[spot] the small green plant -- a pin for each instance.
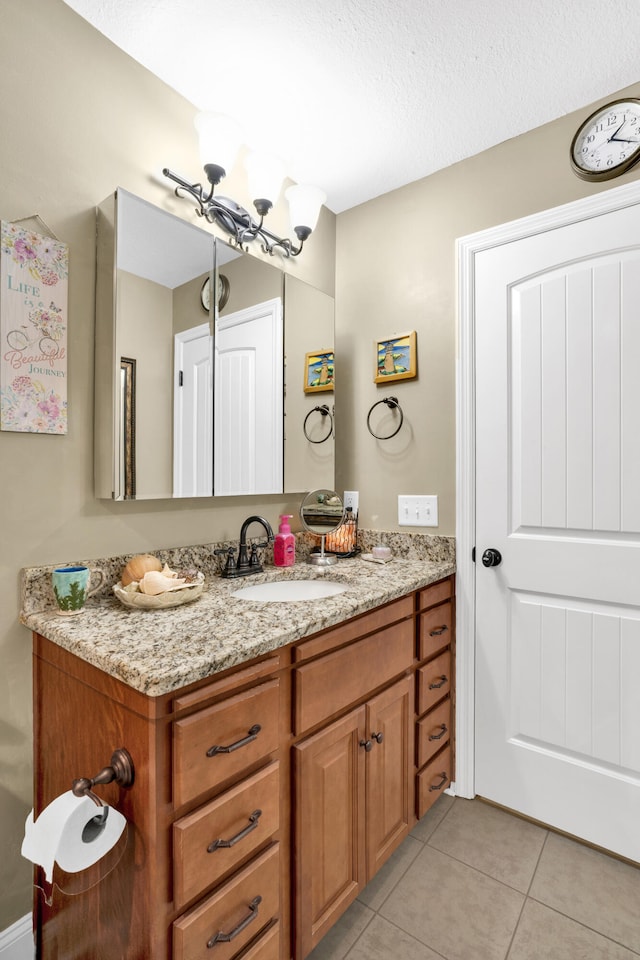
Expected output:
(74, 600)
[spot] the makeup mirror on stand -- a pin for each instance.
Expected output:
(322, 512)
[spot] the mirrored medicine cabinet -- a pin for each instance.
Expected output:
(202, 364)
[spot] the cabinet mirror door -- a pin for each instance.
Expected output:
(191, 336)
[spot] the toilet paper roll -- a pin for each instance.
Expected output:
(59, 834)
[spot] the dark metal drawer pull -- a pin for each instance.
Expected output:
(439, 736)
(253, 823)
(367, 744)
(439, 631)
(252, 734)
(378, 737)
(439, 786)
(221, 937)
(436, 686)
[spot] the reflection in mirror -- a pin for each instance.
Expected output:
(152, 441)
(309, 435)
(183, 409)
(248, 376)
(322, 512)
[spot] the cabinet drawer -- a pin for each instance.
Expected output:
(434, 681)
(243, 818)
(435, 593)
(434, 630)
(266, 947)
(338, 636)
(431, 781)
(333, 682)
(434, 731)
(239, 910)
(222, 741)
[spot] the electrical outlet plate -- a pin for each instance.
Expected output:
(417, 511)
(351, 500)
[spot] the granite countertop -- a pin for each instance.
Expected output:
(159, 651)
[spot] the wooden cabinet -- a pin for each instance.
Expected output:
(204, 847)
(265, 797)
(353, 806)
(353, 778)
(434, 701)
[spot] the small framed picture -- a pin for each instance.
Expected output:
(396, 357)
(319, 371)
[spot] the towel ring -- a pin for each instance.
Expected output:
(324, 412)
(392, 403)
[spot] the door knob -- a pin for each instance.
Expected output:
(492, 557)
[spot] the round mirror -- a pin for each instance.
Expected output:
(322, 512)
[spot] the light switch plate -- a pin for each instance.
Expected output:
(417, 511)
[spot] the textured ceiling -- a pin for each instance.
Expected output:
(363, 96)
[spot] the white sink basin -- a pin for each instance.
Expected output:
(284, 591)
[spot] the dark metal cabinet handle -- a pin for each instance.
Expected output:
(253, 823)
(439, 736)
(439, 786)
(438, 631)
(441, 682)
(367, 744)
(221, 937)
(492, 557)
(378, 737)
(251, 735)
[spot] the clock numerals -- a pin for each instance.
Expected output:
(608, 142)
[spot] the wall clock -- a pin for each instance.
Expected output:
(607, 143)
(223, 292)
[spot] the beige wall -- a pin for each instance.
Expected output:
(395, 271)
(146, 336)
(79, 119)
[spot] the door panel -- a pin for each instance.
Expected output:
(558, 493)
(330, 822)
(389, 772)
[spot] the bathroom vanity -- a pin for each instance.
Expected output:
(282, 752)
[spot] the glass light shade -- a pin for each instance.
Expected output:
(265, 174)
(304, 205)
(220, 138)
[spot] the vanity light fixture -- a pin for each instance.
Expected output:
(220, 137)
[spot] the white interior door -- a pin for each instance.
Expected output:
(249, 401)
(557, 318)
(193, 413)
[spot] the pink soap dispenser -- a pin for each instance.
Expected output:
(284, 547)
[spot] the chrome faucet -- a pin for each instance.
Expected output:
(246, 565)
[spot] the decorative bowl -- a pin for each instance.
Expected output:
(135, 600)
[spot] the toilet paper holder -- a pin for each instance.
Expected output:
(120, 769)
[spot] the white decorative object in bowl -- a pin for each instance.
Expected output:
(131, 597)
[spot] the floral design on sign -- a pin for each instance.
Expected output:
(33, 331)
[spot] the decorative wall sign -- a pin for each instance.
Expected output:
(396, 358)
(319, 371)
(34, 273)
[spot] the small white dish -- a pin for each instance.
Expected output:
(370, 557)
(183, 593)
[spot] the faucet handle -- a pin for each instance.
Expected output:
(230, 565)
(254, 560)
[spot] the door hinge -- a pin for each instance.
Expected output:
(473, 555)
(180, 379)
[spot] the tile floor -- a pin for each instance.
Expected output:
(473, 882)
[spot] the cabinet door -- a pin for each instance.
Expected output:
(330, 806)
(389, 771)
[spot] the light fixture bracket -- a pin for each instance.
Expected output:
(234, 219)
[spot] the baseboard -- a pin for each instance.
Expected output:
(16, 942)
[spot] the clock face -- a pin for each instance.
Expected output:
(608, 142)
(223, 292)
